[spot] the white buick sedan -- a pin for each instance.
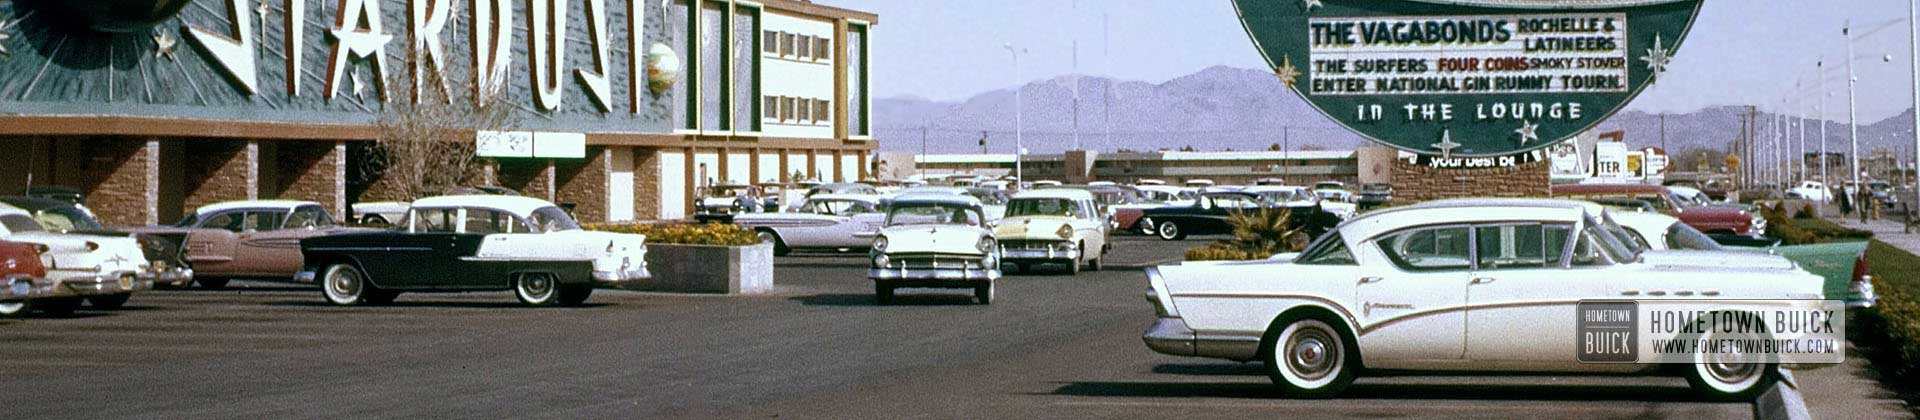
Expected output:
(1484, 285)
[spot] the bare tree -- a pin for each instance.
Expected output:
(426, 146)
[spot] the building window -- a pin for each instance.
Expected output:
(714, 66)
(805, 47)
(823, 48)
(681, 106)
(858, 117)
(823, 112)
(770, 42)
(806, 111)
(772, 108)
(786, 44)
(746, 70)
(793, 109)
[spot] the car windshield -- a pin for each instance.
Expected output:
(920, 213)
(727, 191)
(1282, 196)
(552, 219)
(62, 219)
(838, 207)
(1158, 196)
(1041, 207)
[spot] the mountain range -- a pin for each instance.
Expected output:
(1228, 108)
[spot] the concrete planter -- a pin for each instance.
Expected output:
(709, 268)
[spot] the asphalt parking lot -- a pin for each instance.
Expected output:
(1051, 346)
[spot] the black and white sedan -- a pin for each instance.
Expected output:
(474, 243)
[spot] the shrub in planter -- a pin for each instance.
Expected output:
(1257, 234)
(685, 233)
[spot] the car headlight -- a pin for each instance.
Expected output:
(880, 261)
(986, 245)
(880, 244)
(1065, 232)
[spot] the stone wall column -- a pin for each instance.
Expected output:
(121, 179)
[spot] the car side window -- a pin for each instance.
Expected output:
(262, 220)
(435, 220)
(1586, 251)
(1430, 248)
(1521, 246)
(309, 217)
(1330, 251)
(229, 221)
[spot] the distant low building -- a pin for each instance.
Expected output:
(1226, 168)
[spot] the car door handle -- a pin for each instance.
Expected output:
(1630, 293)
(1366, 280)
(1710, 293)
(1482, 280)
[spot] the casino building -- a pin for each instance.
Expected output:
(621, 108)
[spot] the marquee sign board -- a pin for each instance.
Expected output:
(1468, 78)
(566, 65)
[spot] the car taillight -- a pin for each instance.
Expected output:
(93, 246)
(1860, 269)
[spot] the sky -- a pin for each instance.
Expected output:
(1740, 52)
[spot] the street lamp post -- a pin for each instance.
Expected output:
(1853, 117)
(1019, 144)
(1913, 38)
(1823, 122)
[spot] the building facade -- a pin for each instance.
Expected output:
(621, 109)
(1226, 168)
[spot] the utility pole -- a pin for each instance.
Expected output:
(1663, 132)
(1019, 143)
(1823, 120)
(923, 152)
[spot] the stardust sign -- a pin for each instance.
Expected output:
(1470, 78)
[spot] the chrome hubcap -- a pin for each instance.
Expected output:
(537, 287)
(1309, 354)
(345, 284)
(1725, 368)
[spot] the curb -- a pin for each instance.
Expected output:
(1782, 402)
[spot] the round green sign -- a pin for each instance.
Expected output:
(1468, 78)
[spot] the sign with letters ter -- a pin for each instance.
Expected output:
(1468, 78)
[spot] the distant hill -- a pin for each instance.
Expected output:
(1222, 107)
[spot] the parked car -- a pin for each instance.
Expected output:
(68, 194)
(99, 270)
(825, 221)
(255, 239)
(474, 243)
(1373, 195)
(1209, 215)
(1329, 185)
(1843, 265)
(23, 275)
(1706, 219)
(993, 201)
(842, 188)
(1458, 285)
(719, 203)
(165, 252)
(1692, 197)
(1812, 191)
(1054, 226)
(934, 241)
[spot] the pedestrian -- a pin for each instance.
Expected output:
(1846, 202)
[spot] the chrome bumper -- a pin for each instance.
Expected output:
(306, 277)
(23, 288)
(102, 284)
(618, 277)
(178, 276)
(956, 274)
(1172, 336)
(1038, 254)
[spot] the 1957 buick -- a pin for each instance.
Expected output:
(474, 243)
(1486, 285)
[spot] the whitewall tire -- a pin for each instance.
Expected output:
(537, 289)
(344, 285)
(1309, 358)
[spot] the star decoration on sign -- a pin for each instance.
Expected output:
(1446, 144)
(1287, 72)
(3, 39)
(262, 11)
(1310, 4)
(1657, 58)
(1528, 132)
(163, 43)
